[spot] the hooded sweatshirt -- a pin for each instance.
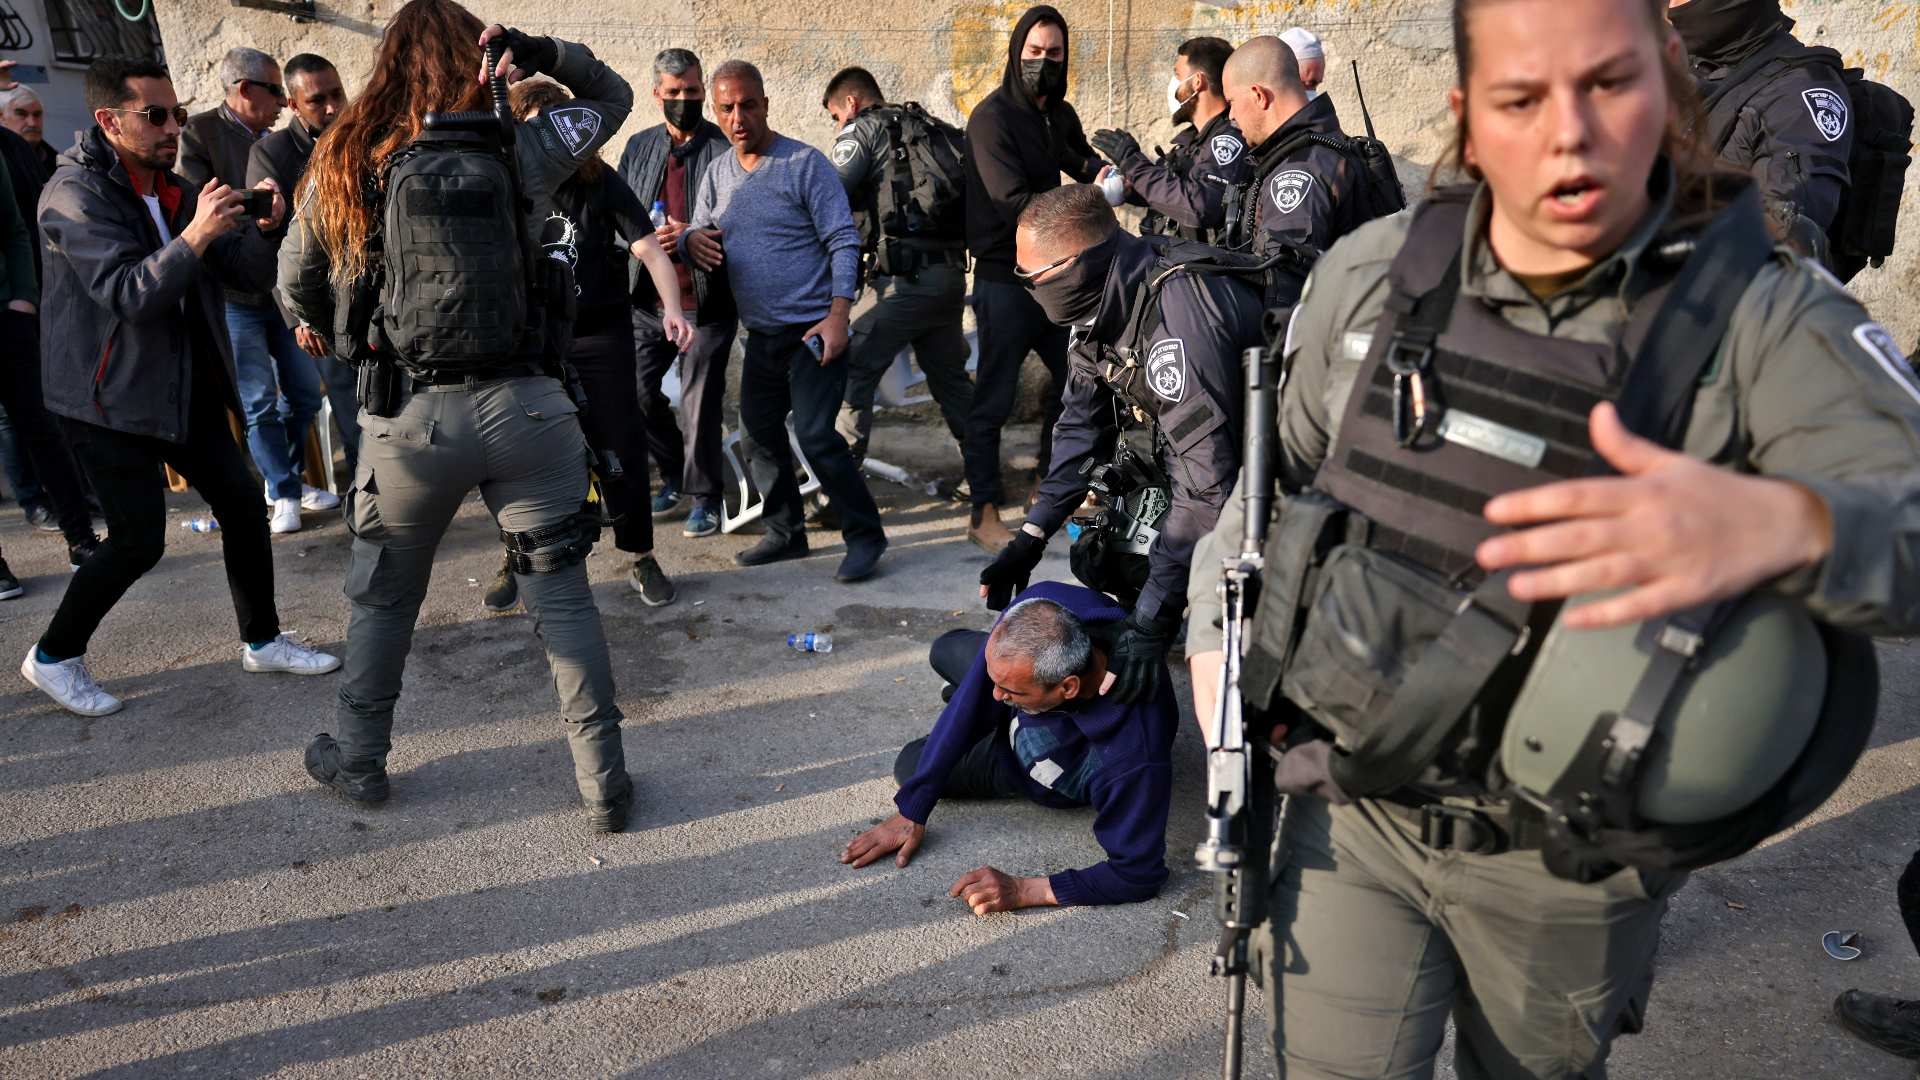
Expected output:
(1015, 150)
(1115, 758)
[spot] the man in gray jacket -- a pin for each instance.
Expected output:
(138, 368)
(664, 166)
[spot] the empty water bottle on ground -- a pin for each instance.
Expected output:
(201, 524)
(810, 642)
(659, 214)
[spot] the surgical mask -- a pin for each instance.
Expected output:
(1313, 93)
(1071, 297)
(1044, 78)
(1180, 111)
(682, 113)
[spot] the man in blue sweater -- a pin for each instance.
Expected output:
(774, 215)
(1027, 719)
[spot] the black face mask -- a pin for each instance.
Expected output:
(1044, 78)
(1721, 31)
(1071, 297)
(682, 113)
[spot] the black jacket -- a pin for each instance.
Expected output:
(213, 150)
(643, 165)
(282, 157)
(1016, 150)
(123, 316)
(17, 156)
(1187, 379)
(1782, 113)
(1186, 190)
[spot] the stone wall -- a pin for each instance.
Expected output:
(948, 56)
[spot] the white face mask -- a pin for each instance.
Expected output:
(1313, 93)
(1175, 106)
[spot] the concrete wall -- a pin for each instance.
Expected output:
(949, 55)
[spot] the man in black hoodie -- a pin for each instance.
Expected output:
(1775, 108)
(1019, 141)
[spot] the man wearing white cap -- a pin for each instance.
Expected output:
(1312, 56)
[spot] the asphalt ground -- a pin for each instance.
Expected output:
(176, 896)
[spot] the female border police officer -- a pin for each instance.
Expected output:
(1797, 474)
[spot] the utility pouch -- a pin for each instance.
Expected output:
(1306, 528)
(1394, 659)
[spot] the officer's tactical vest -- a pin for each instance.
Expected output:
(1377, 186)
(1374, 618)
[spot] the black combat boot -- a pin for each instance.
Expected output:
(1888, 1023)
(610, 815)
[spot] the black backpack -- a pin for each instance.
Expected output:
(924, 192)
(1863, 231)
(1379, 191)
(456, 275)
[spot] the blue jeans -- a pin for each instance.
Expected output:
(279, 393)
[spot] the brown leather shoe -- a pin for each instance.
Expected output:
(986, 531)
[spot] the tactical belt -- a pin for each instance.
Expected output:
(439, 381)
(1492, 829)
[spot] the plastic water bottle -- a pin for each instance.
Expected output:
(659, 215)
(810, 642)
(204, 524)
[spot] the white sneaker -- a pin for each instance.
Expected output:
(313, 498)
(285, 654)
(69, 683)
(285, 517)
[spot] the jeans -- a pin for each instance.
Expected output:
(125, 471)
(604, 360)
(781, 374)
(691, 460)
(33, 428)
(893, 314)
(279, 393)
(518, 441)
(1010, 324)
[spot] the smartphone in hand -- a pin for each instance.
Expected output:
(256, 203)
(815, 346)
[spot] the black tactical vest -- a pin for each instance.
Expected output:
(1374, 618)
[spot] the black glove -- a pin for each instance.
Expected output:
(1139, 658)
(1113, 145)
(1010, 570)
(532, 55)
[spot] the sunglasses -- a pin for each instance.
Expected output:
(157, 114)
(279, 92)
(1027, 276)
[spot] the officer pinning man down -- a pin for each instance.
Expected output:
(905, 174)
(1308, 184)
(1151, 414)
(1185, 189)
(1568, 440)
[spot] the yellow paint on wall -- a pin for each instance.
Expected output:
(979, 49)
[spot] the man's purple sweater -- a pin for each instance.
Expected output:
(1115, 758)
(789, 236)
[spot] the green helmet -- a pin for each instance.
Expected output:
(1678, 721)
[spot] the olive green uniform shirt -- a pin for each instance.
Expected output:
(1806, 387)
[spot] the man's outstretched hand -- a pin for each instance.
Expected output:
(987, 890)
(894, 834)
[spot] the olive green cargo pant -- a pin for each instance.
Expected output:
(519, 441)
(1374, 940)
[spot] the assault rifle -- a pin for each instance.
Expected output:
(1240, 794)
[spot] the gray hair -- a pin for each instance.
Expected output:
(673, 62)
(19, 94)
(737, 70)
(1047, 634)
(244, 63)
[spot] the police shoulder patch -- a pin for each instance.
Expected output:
(1289, 189)
(1167, 369)
(1874, 340)
(1227, 149)
(843, 152)
(576, 125)
(1829, 112)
